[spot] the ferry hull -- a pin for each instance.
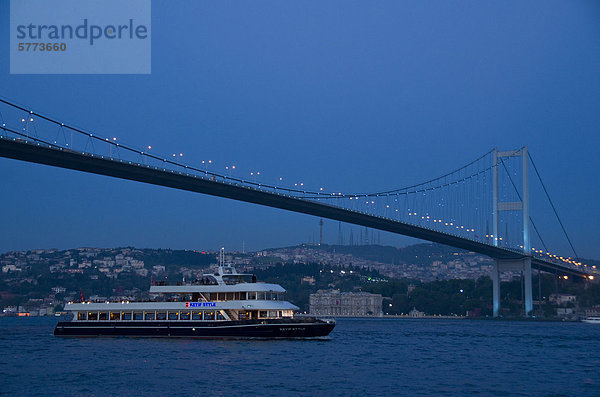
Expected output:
(267, 329)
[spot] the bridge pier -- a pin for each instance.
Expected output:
(512, 265)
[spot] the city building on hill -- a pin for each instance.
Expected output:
(336, 303)
(561, 299)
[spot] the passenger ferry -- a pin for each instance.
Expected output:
(592, 320)
(224, 304)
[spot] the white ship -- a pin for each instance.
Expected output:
(223, 304)
(592, 320)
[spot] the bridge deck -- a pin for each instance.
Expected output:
(20, 149)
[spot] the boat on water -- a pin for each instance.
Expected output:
(223, 304)
(591, 320)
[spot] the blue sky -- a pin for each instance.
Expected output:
(351, 95)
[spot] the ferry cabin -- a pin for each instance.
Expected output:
(222, 296)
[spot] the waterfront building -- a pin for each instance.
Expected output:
(336, 303)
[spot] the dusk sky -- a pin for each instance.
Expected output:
(350, 95)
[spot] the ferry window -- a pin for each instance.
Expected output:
(272, 314)
(196, 315)
(184, 315)
(93, 316)
(242, 296)
(173, 315)
(149, 316)
(243, 315)
(220, 296)
(268, 296)
(161, 315)
(229, 296)
(252, 295)
(260, 296)
(103, 316)
(125, 315)
(81, 316)
(138, 315)
(209, 315)
(220, 316)
(213, 296)
(115, 316)
(262, 314)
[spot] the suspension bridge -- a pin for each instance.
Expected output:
(482, 207)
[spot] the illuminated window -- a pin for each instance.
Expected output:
(173, 315)
(93, 316)
(103, 316)
(262, 314)
(125, 315)
(161, 315)
(209, 315)
(184, 316)
(81, 316)
(138, 316)
(196, 315)
(220, 316)
(149, 315)
(115, 316)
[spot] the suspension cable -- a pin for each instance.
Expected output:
(520, 199)
(553, 207)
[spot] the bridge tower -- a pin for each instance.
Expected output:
(501, 265)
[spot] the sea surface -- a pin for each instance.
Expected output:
(374, 357)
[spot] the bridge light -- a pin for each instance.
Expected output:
(566, 277)
(591, 277)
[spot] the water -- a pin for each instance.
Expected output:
(362, 357)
